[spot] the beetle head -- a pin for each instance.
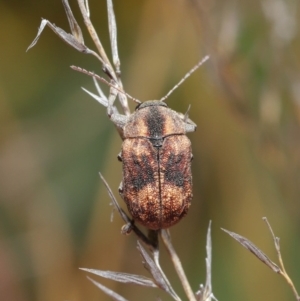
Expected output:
(150, 103)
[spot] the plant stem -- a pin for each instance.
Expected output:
(177, 265)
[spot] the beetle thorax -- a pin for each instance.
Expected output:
(155, 121)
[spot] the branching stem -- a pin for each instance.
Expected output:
(282, 268)
(177, 264)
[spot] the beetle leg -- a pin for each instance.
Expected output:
(190, 127)
(127, 228)
(120, 156)
(118, 119)
(121, 190)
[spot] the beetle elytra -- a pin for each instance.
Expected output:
(156, 157)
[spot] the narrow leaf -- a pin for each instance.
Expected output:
(156, 273)
(66, 37)
(115, 202)
(75, 28)
(246, 243)
(149, 263)
(115, 296)
(205, 293)
(41, 28)
(129, 224)
(99, 90)
(69, 39)
(123, 277)
(101, 100)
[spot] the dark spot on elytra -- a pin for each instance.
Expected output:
(173, 170)
(143, 172)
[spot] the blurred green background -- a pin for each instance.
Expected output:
(54, 210)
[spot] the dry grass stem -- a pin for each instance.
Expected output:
(115, 296)
(150, 260)
(129, 226)
(122, 277)
(205, 293)
(250, 246)
(177, 264)
(264, 258)
(159, 277)
(282, 268)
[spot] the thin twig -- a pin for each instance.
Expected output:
(177, 264)
(282, 268)
(74, 26)
(205, 293)
(156, 260)
(115, 296)
(112, 26)
(95, 38)
(96, 76)
(107, 66)
(129, 223)
(152, 265)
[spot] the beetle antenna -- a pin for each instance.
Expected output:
(101, 79)
(185, 77)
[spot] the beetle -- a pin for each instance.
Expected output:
(156, 153)
(156, 156)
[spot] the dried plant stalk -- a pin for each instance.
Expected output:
(150, 260)
(250, 246)
(177, 264)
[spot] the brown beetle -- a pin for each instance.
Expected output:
(156, 156)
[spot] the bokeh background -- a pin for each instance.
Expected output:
(54, 139)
